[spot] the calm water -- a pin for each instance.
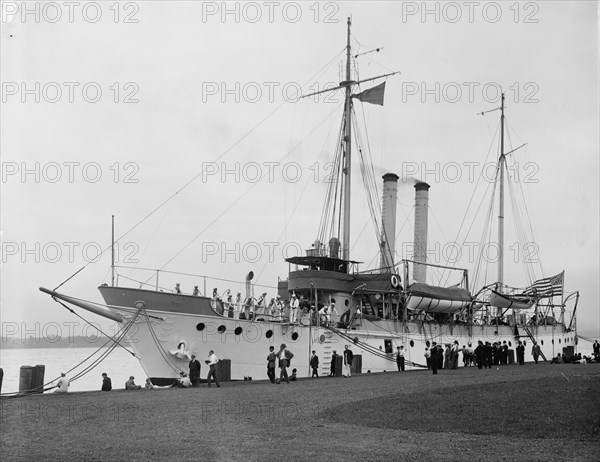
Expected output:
(119, 365)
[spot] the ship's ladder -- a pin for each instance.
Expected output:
(366, 347)
(530, 335)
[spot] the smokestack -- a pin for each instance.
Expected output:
(421, 204)
(388, 220)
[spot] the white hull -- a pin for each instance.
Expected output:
(155, 341)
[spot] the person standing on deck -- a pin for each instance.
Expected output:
(400, 358)
(294, 305)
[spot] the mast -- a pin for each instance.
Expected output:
(112, 249)
(348, 151)
(501, 205)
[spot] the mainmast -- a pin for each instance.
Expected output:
(347, 169)
(501, 205)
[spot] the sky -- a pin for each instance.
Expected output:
(182, 120)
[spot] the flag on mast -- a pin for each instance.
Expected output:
(372, 95)
(547, 287)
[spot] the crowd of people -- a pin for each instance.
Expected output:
(485, 355)
(296, 310)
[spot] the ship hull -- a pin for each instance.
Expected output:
(163, 339)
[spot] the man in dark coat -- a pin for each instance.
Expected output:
(106, 382)
(479, 354)
(285, 356)
(195, 371)
(436, 354)
(536, 351)
(504, 355)
(271, 358)
(520, 353)
(332, 366)
(314, 364)
(487, 355)
(439, 351)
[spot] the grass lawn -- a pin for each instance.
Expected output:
(529, 413)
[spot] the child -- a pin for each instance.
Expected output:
(293, 376)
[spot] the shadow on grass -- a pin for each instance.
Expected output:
(563, 408)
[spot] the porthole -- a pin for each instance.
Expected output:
(269, 333)
(295, 336)
(427, 343)
(558, 340)
(322, 338)
(200, 326)
(221, 328)
(542, 342)
(412, 343)
(552, 342)
(509, 343)
(524, 342)
(238, 330)
(346, 302)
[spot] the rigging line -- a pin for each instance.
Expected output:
(329, 204)
(240, 197)
(486, 230)
(121, 334)
(370, 185)
(474, 192)
(293, 210)
(406, 220)
(95, 327)
(185, 274)
(195, 177)
(370, 172)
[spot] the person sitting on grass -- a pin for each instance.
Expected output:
(557, 360)
(150, 386)
(62, 386)
(183, 381)
(294, 376)
(130, 384)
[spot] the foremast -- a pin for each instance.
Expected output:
(346, 163)
(347, 170)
